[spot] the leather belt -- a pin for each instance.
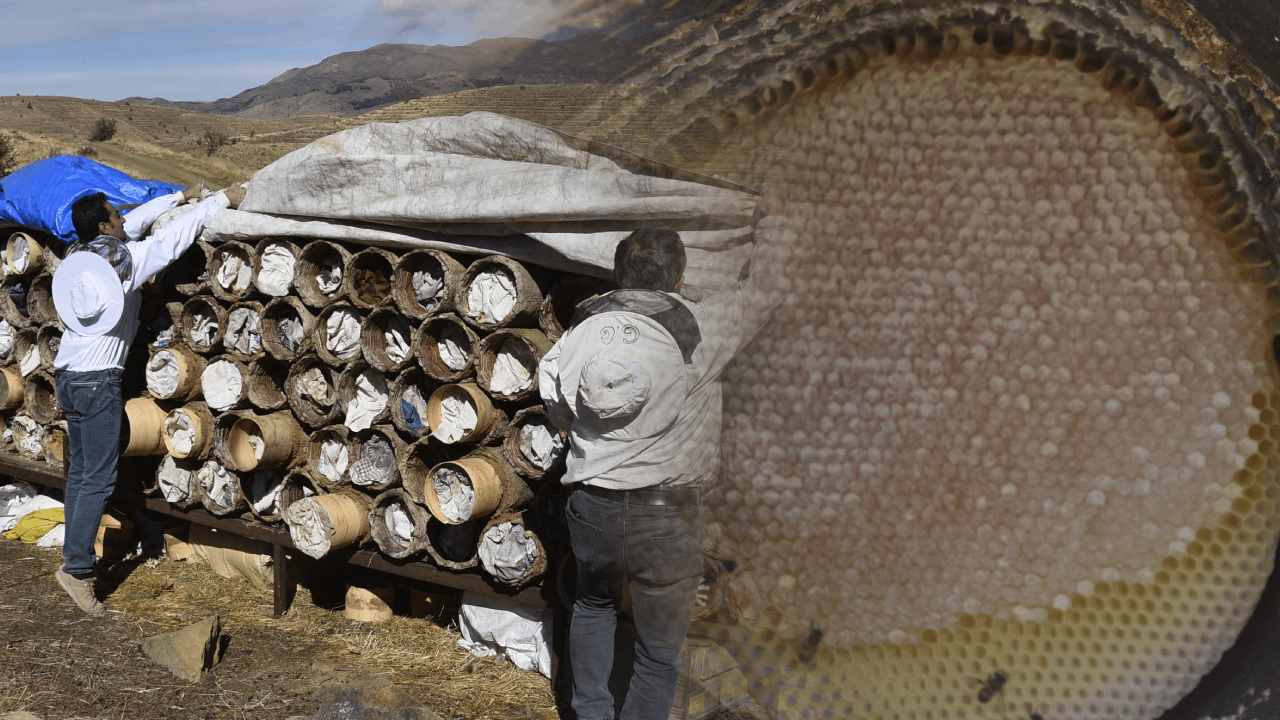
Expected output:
(645, 496)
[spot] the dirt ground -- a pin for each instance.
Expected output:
(59, 664)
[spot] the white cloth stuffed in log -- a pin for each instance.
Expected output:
(222, 384)
(491, 296)
(454, 347)
(21, 254)
(264, 492)
(455, 494)
(29, 434)
(174, 481)
(204, 329)
(234, 273)
(242, 331)
(277, 269)
(217, 484)
(290, 330)
(427, 288)
(181, 431)
(334, 458)
(6, 340)
(329, 274)
(510, 375)
(30, 361)
(312, 384)
(483, 183)
(163, 374)
(396, 337)
(342, 333)
(457, 416)
(370, 400)
(417, 399)
(377, 463)
(507, 552)
(541, 444)
(309, 527)
(399, 522)
(256, 443)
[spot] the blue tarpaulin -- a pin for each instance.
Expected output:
(40, 195)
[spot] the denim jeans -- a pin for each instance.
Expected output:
(654, 555)
(94, 409)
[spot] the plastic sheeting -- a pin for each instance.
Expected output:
(242, 331)
(454, 347)
(491, 296)
(507, 552)
(457, 416)
(342, 334)
(40, 195)
(397, 337)
(222, 385)
(234, 274)
(312, 384)
(514, 631)
(181, 431)
(428, 287)
(32, 504)
(541, 445)
(6, 340)
(510, 375)
(264, 491)
(309, 527)
(29, 362)
(29, 434)
(369, 401)
(277, 270)
(377, 463)
(399, 522)
(174, 481)
(334, 459)
(54, 538)
(13, 496)
(163, 374)
(455, 494)
(218, 484)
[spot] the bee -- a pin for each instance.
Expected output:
(809, 646)
(992, 686)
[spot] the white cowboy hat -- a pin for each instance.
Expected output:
(88, 294)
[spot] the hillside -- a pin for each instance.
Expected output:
(352, 83)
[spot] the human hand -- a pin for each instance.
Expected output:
(193, 192)
(235, 195)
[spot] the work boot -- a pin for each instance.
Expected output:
(81, 591)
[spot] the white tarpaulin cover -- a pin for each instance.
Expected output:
(485, 183)
(497, 626)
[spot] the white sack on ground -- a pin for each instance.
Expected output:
(174, 481)
(342, 334)
(491, 296)
(309, 527)
(6, 340)
(30, 361)
(181, 431)
(242, 331)
(234, 273)
(277, 270)
(457, 416)
(510, 376)
(455, 494)
(540, 445)
(222, 383)
(32, 504)
(399, 522)
(54, 538)
(458, 183)
(370, 399)
(14, 494)
(217, 483)
(334, 458)
(454, 347)
(163, 374)
(507, 552)
(515, 631)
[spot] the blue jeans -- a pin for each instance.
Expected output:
(654, 555)
(94, 409)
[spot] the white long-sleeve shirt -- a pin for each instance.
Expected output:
(688, 454)
(87, 353)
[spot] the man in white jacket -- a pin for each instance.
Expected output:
(100, 311)
(636, 383)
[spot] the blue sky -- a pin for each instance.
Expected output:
(110, 50)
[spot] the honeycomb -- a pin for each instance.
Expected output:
(1018, 414)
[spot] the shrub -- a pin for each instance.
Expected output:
(8, 155)
(212, 140)
(103, 130)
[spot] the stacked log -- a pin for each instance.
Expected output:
(354, 394)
